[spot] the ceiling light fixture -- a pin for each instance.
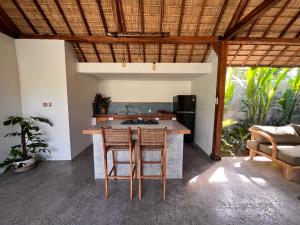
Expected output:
(154, 65)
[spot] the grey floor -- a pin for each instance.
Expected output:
(231, 191)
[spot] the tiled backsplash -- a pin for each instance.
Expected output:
(139, 107)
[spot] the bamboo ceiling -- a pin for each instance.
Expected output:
(178, 17)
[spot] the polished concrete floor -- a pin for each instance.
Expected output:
(231, 191)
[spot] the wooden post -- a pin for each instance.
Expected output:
(222, 49)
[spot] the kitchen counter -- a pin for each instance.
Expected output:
(173, 127)
(103, 117)
(174, 148)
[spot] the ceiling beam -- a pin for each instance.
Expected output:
(141, 9)
(128, 40)
(8, 24)
(283, 32)
(103, 20)
(120, 22)
(238, 13)
(266, 32)
(162, 5)
(166, 40)
(240, 47)
(61, 12)
(249, 18)
(24, 16)
(264, 41)
(282, 52)
(179, 28)
(197, 30)
(87, 27)
(37, 5)
(225, 3)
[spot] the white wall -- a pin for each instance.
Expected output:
(205, 89)
(42, 73)
(143, 91)
(81, 91)
(10, 100)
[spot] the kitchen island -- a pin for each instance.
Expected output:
(174, 148)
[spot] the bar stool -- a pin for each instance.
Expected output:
(152, 140)
(118, 140)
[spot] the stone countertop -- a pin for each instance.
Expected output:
(173, 127)
(134, 115)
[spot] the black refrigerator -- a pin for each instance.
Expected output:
(184, 106)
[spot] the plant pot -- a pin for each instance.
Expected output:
(103, 110)
(96, 110)
(25, 165)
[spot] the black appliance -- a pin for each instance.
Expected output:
(184, 106)
(134, 122)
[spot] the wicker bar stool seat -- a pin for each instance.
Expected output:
(118, 140)
(152, 140)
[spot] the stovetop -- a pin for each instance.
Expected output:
(139, 122)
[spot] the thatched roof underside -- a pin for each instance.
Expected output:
(179, 18)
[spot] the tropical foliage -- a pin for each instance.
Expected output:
(261, 87)
(31, 139)
(290, 98)
(262, 84)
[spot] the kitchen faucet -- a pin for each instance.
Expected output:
(126, 109)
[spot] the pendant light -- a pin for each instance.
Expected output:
(154, 61)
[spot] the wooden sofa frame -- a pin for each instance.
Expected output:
(287, 168)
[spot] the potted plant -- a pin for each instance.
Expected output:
(101, 103)
(23, 155)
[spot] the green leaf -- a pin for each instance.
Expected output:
(42, 120)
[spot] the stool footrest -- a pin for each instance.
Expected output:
(119, 177)
(151, 162)
(122, 162)
(152, 177)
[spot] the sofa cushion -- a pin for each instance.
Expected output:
(283, 135)
(296, 127)
(289, 154)
(260, 147)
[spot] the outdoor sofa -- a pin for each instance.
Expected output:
(280, 144)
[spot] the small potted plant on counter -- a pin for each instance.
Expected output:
(101, 102)
(24, 155)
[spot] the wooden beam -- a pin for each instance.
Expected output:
(179, 28)
(162, 5)
(250, 18)
(87, 27)
(134, 40)
(237, 14)
(120, 21)
(283, 32)
(24, 16)
(141, 9)
(44, 16)
(267, 30)
(264, 41)
(8, 25)
(103, 20)
(197, 30)
(248, 33)
(225, 3)
(220, 94)
(61, 12)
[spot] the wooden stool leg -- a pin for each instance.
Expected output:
(130, 163)
(140, 166)
(162, 165)
(114, 163)
(164, 172)
(105, 174)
